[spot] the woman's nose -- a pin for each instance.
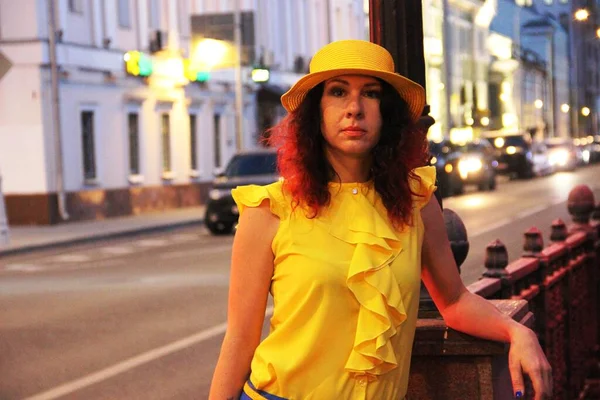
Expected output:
(354, 107)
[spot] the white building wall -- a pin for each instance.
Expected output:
(90, 52)
(23, 161)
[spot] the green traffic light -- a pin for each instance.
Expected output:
(145, 65)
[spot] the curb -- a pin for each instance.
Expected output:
(102, 236)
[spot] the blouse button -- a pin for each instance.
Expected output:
(355, 191)
(362, 382)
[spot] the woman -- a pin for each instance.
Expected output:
(342, 243)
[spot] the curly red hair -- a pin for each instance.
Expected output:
(302, 163)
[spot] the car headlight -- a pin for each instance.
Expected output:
(217, 194)
(586, 156)
(468, 166)
(559, 157)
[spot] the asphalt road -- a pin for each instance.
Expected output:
(143, 317)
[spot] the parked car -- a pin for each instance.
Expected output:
(542, 164)
(477, 164)
(564, 156)
(513, 152)
(593, 146)
(258, 167)
(583, 151)
(444, 157)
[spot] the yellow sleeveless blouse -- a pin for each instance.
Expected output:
(345, 288)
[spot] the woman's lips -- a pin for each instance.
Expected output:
(353, 131)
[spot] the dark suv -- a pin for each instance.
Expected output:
(513, 152)
(445, 157)
(257, 167)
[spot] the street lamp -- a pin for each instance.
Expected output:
(582, 14)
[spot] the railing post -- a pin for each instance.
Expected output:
(583, 285)
(559, 231)
(496, 260)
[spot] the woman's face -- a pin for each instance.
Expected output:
(351, 120)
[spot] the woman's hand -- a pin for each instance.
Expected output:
(527, 356)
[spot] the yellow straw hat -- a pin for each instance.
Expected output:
(355, 57)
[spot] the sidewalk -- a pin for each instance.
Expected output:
(28, 238)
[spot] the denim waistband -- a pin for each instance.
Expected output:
(250, 390)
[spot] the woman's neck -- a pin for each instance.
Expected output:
(349, 169)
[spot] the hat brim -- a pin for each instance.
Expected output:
(411, 92)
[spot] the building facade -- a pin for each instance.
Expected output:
(121, 107)
(580, 19)
(529, 80)
(457, 62)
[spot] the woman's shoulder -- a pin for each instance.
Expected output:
(422, 185)
(254, 195)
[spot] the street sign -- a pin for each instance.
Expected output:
(5, 64)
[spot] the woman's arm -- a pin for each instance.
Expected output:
(472, 314)
(251, 272)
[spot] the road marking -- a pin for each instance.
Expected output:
(23, 267)
(71, 258)
(134, 362)
(531, 211)
(152, 242)
(521, 215)
(186, 237)
(491, 227)
(181, 254)
(116, 250)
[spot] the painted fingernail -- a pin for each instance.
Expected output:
(518, 394)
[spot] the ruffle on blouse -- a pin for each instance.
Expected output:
(254, 195)
(359, 222)
(425, 188)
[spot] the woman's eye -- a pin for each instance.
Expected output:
(373, 94)
(336, 91)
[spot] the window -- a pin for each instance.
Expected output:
(89, 150)
(193, 143)
(124, 16)
(134, 143)
(166, 142)
(76, 6)
(153, 7)
(217, 139)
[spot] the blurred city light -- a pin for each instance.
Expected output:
(538, 103)
(211, 53)
(585, 111)
(565, 108)
(260, 75)
(485, 121)
(582, 14)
